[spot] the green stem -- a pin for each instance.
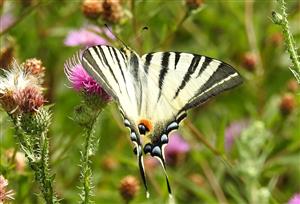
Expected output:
(38, 162)
(289, 41)
(86, 171)
(46, 181)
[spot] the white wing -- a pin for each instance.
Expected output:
(111, 68)
(176, 82)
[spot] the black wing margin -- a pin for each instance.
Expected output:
(224, 78)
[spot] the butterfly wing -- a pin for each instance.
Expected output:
(184, 80)
(110, 68)
(119, 76)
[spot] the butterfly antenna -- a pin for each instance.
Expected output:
(115, 36)
(142, 170)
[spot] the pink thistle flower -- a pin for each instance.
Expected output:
(233, 131)
(4, 193)
(87, 37)
(295, 199)
(5, 21)
(81, 80)
(176, 149)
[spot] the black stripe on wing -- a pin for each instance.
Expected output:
(148, 59)
(177, 57)
(90, 65)
(206, 62)
(104, 59)
(224, 78)
(107, 60)
(192, 68)
(163, 71)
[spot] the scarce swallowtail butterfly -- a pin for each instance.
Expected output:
(155, 91)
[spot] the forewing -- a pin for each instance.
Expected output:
(185, 80)
(110, 68)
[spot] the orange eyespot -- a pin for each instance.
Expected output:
(146, 123)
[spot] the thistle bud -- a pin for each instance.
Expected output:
(249, 61)
(83, 115)
(287, 104)
(34, 67)
(276, 39)
(193, 4)
(293, 86)
(29, 99)
(35, 124)
(110, 163)
(277, 18)
(129, 186)
(92, 8)
(112, 11)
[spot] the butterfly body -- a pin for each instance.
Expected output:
(155, 91)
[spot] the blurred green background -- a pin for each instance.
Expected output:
(265, 158)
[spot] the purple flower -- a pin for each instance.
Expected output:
(82, 81)
(176, 149)
(5, 21)
(87, 37)
(232, 131)
(295, 199)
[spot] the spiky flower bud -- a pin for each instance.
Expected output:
(29, 99)
(35, 124)
(129, 186)
(287, 104)
(34, 67)
(92, 8)
(112, 11)
(83, 115)
(193, 4)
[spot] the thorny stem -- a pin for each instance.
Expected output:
(46, 178)
(288, 38)
(86, 172)
(38, 163)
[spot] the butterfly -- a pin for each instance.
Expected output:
(155, 91)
